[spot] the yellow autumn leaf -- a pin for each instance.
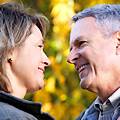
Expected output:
(50, 85)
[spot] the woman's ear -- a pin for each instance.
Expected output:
(118, 43)
(5, 83)
(11, 55)
(9, 60)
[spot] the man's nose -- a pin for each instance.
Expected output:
(72, 57)
(69, 59)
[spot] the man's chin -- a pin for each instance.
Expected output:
(85, 83)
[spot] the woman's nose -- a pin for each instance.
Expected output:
(46, 60)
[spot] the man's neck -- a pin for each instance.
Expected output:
(104, 95)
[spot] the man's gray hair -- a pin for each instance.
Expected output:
(107, 15)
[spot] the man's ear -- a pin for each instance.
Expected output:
(118, 43)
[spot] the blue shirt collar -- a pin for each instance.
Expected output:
(112, 101)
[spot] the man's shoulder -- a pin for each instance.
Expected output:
(10, 112)
(81, 115)
(88, 111)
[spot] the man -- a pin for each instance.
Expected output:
(95, 52)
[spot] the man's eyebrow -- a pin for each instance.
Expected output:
(79, 39)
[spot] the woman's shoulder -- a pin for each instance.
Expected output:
(10, 112)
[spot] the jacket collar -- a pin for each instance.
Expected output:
(25, 105)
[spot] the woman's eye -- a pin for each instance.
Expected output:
(40, 46)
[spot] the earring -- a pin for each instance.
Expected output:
(9, 60)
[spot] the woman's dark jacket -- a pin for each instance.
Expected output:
(12, 108)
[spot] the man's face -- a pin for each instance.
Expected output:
(93, 55)
(30, 61)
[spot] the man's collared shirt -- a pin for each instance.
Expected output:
(109, 110)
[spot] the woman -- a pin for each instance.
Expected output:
(22, 62)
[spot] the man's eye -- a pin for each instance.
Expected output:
(82, 43)
(71, 49)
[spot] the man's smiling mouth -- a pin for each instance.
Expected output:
(83, 70)
(82, 67)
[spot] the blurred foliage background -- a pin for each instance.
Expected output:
(62, 96)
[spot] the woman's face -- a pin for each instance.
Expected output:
(30, 61)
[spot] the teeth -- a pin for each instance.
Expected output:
(82, 67)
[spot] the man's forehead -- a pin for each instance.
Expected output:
(83, 28)
(75, 32)
(73, 36)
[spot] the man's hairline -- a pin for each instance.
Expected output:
(101, 28)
